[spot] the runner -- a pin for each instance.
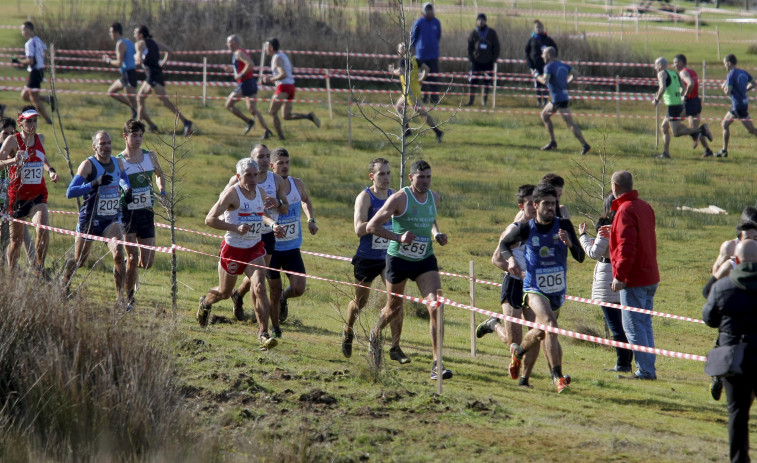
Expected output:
(281, 70)
(8, 128)
(34, 59)
(128, 70)
(547, 239)
(286, 254)
(557, 75)
(410, 255)
(669, 89)
(370, 259)
(247, 87)
(137, 216)
(276, 203)
(692, 104)
(737, 83)
(414, 92)
(511, 296)
(148, 56)
(240, 211)
(99, 180)
(24, 155)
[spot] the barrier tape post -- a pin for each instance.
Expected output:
(702, 85)
(575, 19)
(563, 11)
(697, 21)
(328, 95)
(439, 337)
(646, 37)
(204, 80)
(349, 122)
(622, 23)
(717, 34)
(472, 279)
(617, 102)
(636, 8)
(494, 87)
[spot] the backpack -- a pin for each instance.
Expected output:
(482, 49)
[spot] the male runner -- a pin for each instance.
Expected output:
(737, 83)
(8, 128)
(410, 254)
(148, 56)
(240, 211)
(547, 239)
(692, 104)
(99, 180)
(124, 61)
(669, 89)
(286, 254)
(24, 155)
(137, 216)
(414, 91)
(511, 296)
(276, 202)
(370, 259)
(281, 70)
(34, 59)
(247, 86)
(557, 75)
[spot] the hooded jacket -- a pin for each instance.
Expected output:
(732, 304)
(633, 243)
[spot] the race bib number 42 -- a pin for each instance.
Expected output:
(550, 280)
(415, 250)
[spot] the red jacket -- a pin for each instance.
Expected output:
(633, 244)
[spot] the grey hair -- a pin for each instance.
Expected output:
(94, 137)
(245, 164)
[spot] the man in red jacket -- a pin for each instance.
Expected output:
(633, 253)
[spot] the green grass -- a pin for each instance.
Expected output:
(253, 400)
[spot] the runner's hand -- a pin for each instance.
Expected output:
(243, 229)
(582, 228)
(535, 73)
(128, 196)
(104, 179)
(565, 238)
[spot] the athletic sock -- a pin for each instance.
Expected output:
(557, 372)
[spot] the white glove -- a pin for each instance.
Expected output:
(535, 73)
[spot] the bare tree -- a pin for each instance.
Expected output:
(591, 183)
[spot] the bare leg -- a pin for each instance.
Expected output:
(546, 118)
(726, 124)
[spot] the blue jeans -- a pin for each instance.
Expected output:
(638, 326)
(614, 319)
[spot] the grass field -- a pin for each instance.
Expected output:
(304, 401)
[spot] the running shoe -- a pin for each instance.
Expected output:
(486, 327)
(277, 332)
(283, 309)
(549, 146)
(266, 341)
(663, 156)
(249, 126)
(523, 382)
(515, 361)
(696, 137)
(446, 374)
(238, 302)
(188, 128)
(439, 135)
(722, 154)
(562, 384)
(268, 134)
(705, 130)
(708, 154)
(716, 388)
(203, 313)
(395, 353)
(347, 339)
(315, 120)
(585, 149)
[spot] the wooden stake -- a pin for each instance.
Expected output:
(717, 32)
(204, 80)
(617, 99)
(472, 279)
(702, 85)
(328, 93)
(349, 122)
(494, 87)
(657, 125)
(439, 338)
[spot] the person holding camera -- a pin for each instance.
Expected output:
(483, 51)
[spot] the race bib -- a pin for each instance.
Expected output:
(31, 173)
(483, 46)
(381, 244)
(550, 280)
(255, 222)
(142, 199)
(416, 249)
(291, 231)
(108, 204)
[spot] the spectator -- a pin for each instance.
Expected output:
(732, 308)
(633, 254)
(534, 48)
(424, 37)
(483, 51)
(599, 250)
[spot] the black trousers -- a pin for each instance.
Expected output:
(739, 390)
(427, 85)
(481, 74)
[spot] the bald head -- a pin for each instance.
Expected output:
(661, 62)
(622, 182)
(746, 251)
(550, 52)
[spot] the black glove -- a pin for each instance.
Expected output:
(102, 180)
(128, 196)
(14, 60)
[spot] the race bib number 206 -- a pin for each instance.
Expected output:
(551, 280)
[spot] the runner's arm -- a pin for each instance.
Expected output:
(661, 86)
(439, 237)
(307, 206)
(360, 217)
(79, 185)
(498, 260)
(686, 79)
(390, 208)
(280, 195)
(423, 72)
(139, 48)
(248, 64)
(160, 178)
(576, 250)
(512, 237)
(120, 55)
(228, 200)
(8, 152)
(726, 251)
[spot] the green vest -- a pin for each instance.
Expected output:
(419, 219)
(140, 179)
(672, 95)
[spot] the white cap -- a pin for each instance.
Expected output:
(28, 114)
(428, 5)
